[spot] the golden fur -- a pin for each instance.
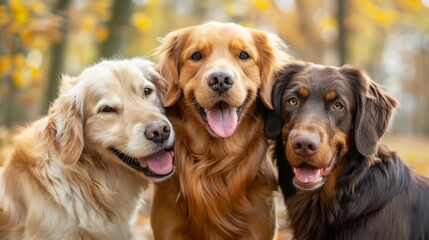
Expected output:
(224, 186)
(63, 180)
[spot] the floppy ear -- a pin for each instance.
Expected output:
(273, 123)
(272, 52)
(374, 108)
(64, 131)
(169, 63)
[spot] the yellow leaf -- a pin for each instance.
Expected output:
(37, 7)
(20, 11)
(102, 33)
(4, 15)
(141, 22)
(21, 78)
(100, 7)
(5, 64)
(328, 22)
(386, 18)
(262, 4)
(19, 60)
(17, 5)
(35, 74)
(153, 3)
(27, 36)
(88, 22)
(414, 5)
(383, 16)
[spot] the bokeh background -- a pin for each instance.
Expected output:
(41, 39)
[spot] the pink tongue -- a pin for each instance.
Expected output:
(307, 174)
(160, 163)
(222, 120)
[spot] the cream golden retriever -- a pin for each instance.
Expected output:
(79, 172)
(219, 86)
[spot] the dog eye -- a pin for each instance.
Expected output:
(293, 101)
(107, 109)
(243, 56)
(196, 56)
(337, 106)
(147, 91)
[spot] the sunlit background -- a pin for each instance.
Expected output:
(40, 40)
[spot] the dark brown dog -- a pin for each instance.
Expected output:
(338, 182)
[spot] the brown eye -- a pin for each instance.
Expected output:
(196, 56)
(337, 106)
(243, 55)
(147, 91)
(293, 101)
(107, 109)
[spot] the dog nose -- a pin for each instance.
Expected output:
(158, 131)
(305, 144)
(220, 81)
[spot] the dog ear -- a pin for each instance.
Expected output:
(374, 108)
(169, 63)
(64, 130)
(273, 123)
(272, 52)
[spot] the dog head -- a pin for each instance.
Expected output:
(321, 113)
(113, 110)
(220, 69)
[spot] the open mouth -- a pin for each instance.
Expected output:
(310, 178)
(221, 118)
(156, 165)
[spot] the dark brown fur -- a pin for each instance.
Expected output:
(370, 193)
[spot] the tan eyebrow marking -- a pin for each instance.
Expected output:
(330, 95)
(303, 91)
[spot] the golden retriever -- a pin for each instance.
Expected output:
(79, 172)
(219, 86)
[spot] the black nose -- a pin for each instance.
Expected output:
(157, 131)
(220, 81)
(305, 144)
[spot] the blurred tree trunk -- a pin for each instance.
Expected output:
(117, 28)
(342, 33)
(57, 53)
(7, 100)
(10, 114)
(7, 103)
